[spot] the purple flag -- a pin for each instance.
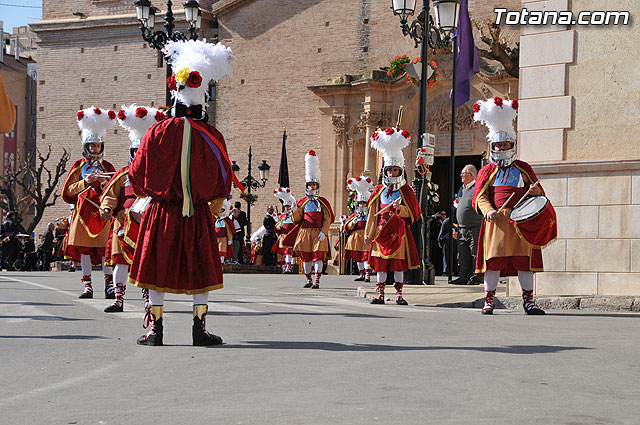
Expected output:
(467, 65)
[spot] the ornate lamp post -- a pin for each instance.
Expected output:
(251, 183)
(429, 35)
(146, 14)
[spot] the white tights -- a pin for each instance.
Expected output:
(157, 298)
(308, 266)
(491, 278)
(363, 265)
(85, 264)
(397, 276)
(120, 274)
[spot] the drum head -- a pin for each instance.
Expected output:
(528, 208)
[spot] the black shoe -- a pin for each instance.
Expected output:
(473, 282)
(401, 301)
(315, 286)
(154, 336)
(487, 311)
(308, 285)
(86, 295)
(359, 279)
(72, 269)
(377, 301)
(535, 312)
(114, 308)
(459, 281)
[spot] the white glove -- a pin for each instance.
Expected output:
(229, 242)
(321, 236)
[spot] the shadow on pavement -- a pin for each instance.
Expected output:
(51, 318)
(52, 337)
(332, 346)
(282, 313)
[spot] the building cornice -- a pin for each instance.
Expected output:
(223, 6)
(582, 167)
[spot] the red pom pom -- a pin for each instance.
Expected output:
(476, 107)
(288, 190)
(160, 116)
(171, 82)
(405, 134)
(358, 178)
(141, 112)
(312, 153)
(274, 191)
(368, 179)
(389, 131)
(349, 181)
(80, 115)
(498, 101)
(514, 104)
(375, 136)
(112, 115)
(122, 115)
(98, 111)
(194, 79)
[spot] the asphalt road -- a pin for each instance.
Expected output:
(295, 356)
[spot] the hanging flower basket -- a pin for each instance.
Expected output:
(249, 198)
(432, 195)
(397, 69)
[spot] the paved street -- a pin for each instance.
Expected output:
(294, 356)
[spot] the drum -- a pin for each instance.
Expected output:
(534, 219)
(138, 207)
(390, 235)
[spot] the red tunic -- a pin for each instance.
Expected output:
(174, 253)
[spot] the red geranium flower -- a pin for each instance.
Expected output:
(80, 115)
(112, 115)
(160, 116)
(389, 131)
(375, 136)
(194, 79)
(312, 153)
(498, 101)
(98, 111)
(141, 112)
(476, 107)
(389, 74)
(171, 82)
(122, 115)
(514, 104)
(405, 134)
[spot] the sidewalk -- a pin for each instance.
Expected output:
(472, 296)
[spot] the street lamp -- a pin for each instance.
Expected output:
(146, 14)
(251, 183)
(429, 35)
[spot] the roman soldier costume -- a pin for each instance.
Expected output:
(118, 197)
(312, 218)
(391, 209)
(88, 231)
(225, 231)
(499, 186)
(284, 225)
(183, 166)
(356, 248)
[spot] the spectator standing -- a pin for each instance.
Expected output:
(469, 223)
(240, 221)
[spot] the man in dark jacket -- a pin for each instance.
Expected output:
(10, 245)
(469, 222)
(239, 217)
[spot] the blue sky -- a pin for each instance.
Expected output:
(14, 16)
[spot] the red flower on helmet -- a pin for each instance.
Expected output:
(80, 115)
(514, 104)
(112, 115)
(288, 190)
(498, 101)
(122, 115)
(476, 107)
(358, 178)
(368, 179)
(160, 116)
(405, 134)
(312, 152)
(274, 191)
(194, 79)
(141, 112)
(98, 111)
(389, 131)
(349, 181)
(171, 82)
(375, 136)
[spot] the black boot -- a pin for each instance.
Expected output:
(154, 318)
(308, 283)
(529, 305)
(88, 289)
(200, 335)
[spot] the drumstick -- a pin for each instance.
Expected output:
(91, 202)
(384, 209)
(526, 193)
(505, 204)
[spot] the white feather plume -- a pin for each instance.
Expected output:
(256, 237)
(136, 126)
(94, 124)
(284, 194)
(312, 167)
(391, 145)
(212, 61)
(363, 186)
(496, 118)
